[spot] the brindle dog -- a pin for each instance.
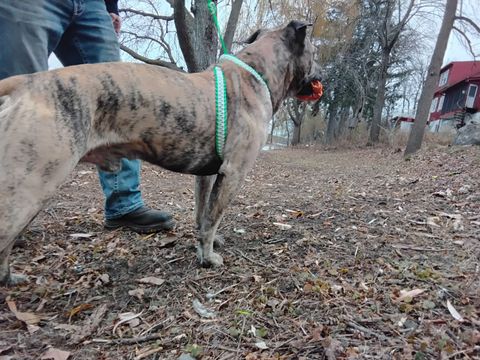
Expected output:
(100, 113)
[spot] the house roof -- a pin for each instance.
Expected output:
(460, 71)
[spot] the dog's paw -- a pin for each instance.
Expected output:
(218, 241)
(214, 260)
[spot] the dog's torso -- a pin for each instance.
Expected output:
(110, 111)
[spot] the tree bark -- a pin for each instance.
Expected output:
(297, 129)
(380, 99)
(297, 117)
(232, 23)
(332, 119)
(423, 109)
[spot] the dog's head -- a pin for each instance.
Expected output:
(294, 50)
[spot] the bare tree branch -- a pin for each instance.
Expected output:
(161, 43)
(153, 16)
(146, 60)
(469, 21)
(469, 43)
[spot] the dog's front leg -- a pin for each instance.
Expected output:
(203, 189)
(226, 185)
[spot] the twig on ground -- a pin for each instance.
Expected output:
(367, 331)
(408, 247)
(129, 341)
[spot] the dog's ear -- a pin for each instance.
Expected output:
(295, 34)
(253, 37)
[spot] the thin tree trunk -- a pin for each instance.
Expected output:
(272, 129)
(296, 133)
(423, 108)
(379, 100)
(332, 119)
(232, 23)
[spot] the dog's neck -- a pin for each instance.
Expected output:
(275, 69)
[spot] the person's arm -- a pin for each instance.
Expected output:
(112, 8)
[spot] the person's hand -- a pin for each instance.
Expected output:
(117, 22)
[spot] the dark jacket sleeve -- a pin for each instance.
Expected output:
(112, 6)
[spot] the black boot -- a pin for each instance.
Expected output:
(143, 220)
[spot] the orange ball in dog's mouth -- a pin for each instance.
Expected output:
(311, 92)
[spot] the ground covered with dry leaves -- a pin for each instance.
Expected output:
(353, 254)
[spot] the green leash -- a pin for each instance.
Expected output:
(221, 113)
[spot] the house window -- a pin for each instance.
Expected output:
(440, 103)
(444, 78)
(433, 107)
(472, 93)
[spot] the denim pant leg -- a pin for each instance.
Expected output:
(29, 31)
(90, 38)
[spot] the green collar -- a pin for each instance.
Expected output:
(247, 67)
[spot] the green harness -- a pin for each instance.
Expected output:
(221, 117)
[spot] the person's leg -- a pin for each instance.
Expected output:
(90, 38)
(30, 29)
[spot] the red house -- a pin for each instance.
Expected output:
(457, 97)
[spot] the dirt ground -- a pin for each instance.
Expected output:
(353, 254)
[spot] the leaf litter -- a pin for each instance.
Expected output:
(380, 260)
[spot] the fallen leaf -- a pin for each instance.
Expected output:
(105, 278)
(456, 315)
(143, 353)
(408, 296)
(201, 310)
(295, 213)
(138, 293)
(81, 236)
(261, 345)
(90, 324)
(428, 305)
(432, 221)
(55, 354)
(128, 317)
(78, 309)
(151, 280)
(166, 241)
(67, 327)
(26, 317)
(282, 226)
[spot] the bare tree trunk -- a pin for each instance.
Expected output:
(272, 129)
(332, 119)
(296, 134)
(297, 116)
(423, 108)
(380, 99)
(232, 23)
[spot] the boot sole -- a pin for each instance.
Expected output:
(142, 229)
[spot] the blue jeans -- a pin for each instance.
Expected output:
(78, 32)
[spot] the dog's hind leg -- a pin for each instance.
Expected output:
(12, 221)
(22, 199)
